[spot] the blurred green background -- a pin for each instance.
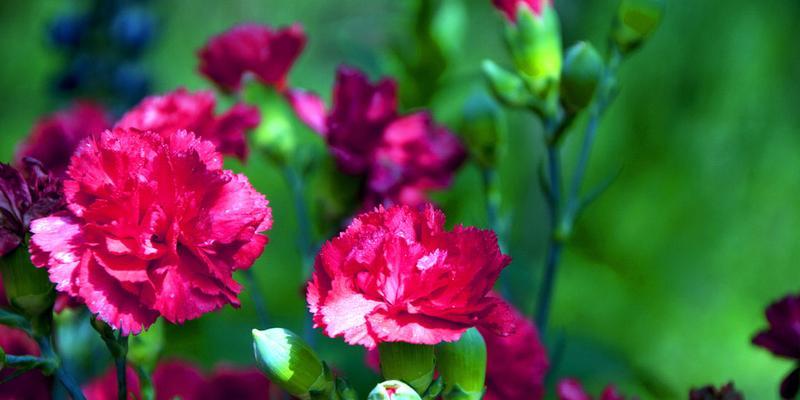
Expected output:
(669, 273)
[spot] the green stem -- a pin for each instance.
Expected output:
(121, 365)
(304, 236)
(492, 199)
(258, 300)
(69, 383)
(554, 246)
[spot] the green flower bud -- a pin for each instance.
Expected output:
(583, 69)
(507, 86)
(535, 44)
(483, 130)
(28, 289)
(449, 26)
(291, 363)
(636, 21)
(277, 135)
(410, 363)
(462, 366)
(393, 390)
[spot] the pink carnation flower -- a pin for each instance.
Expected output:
(516, 364)
(571, 389)
(154, 227)
(32, 385)
(510, 7)
(396, 275)
(194, 112)
(253, 48)
(55, 137)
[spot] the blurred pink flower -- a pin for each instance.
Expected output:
(31, 385)
(510, 7)
(571, 389)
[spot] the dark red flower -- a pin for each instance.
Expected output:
(154, 226)
(55, 137)
(726, 392)
(571, 389)
(782, 338)
(396, 275)
(258, 49)
(415, 156)
(25, 196)
(516, 364)
(510, 7)
(402, 157)
(30, 385)
(176, 379)
(235, 383)
(105, 387)
(194, 112)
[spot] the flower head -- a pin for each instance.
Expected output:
(510, 7)
(253, 48)
(25, 196)
(516, 364)
(396, 275)
(154, 227)
(55, 137)
(571, 389)
(402, 157)
(726, 392)
(31, 385)
(194, 112)
(782, 338)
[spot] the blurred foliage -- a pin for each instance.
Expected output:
(669, 273)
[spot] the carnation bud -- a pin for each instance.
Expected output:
(483, 129)
(462, 365)
(291, 363)
(28, 288)
(410, 363)
(393, 390)
(344, 390)
(535, 44)
(276, 136)
(636, 21)
(583, 69)
(507, 86)
(145, 348)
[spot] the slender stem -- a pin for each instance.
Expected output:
(304, 237)
(121, 365)
(554, 245)
(69, 383)
(258, 300)
(492, 200)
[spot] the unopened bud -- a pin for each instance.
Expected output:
(462, 365)
(145, 348)
(410, 363)
(290, 363)
(583, 69)
(636, 21)
(393, 390)
(28, 288)
(276, 136)
(344, 390)
(507, 86)
(535, 44)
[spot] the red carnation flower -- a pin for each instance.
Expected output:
(154, 226)
(510, 7)
(726, 392)
(194, 112)
(402, 156)
(258, 49)
(516, 364)
(396, 275)
(782, 338)
(30, 385)
(55, 137)
(571, 389)
(415, 156)
(105, 387)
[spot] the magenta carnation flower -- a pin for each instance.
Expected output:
(194, 112)
(154, 227)
(516, 364)
(31, 385)
(782, 338)
(401, 157)
(396, 275)
(510, 7)
(55, 137)
(251, 48)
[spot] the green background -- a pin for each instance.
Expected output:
(669, 272)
